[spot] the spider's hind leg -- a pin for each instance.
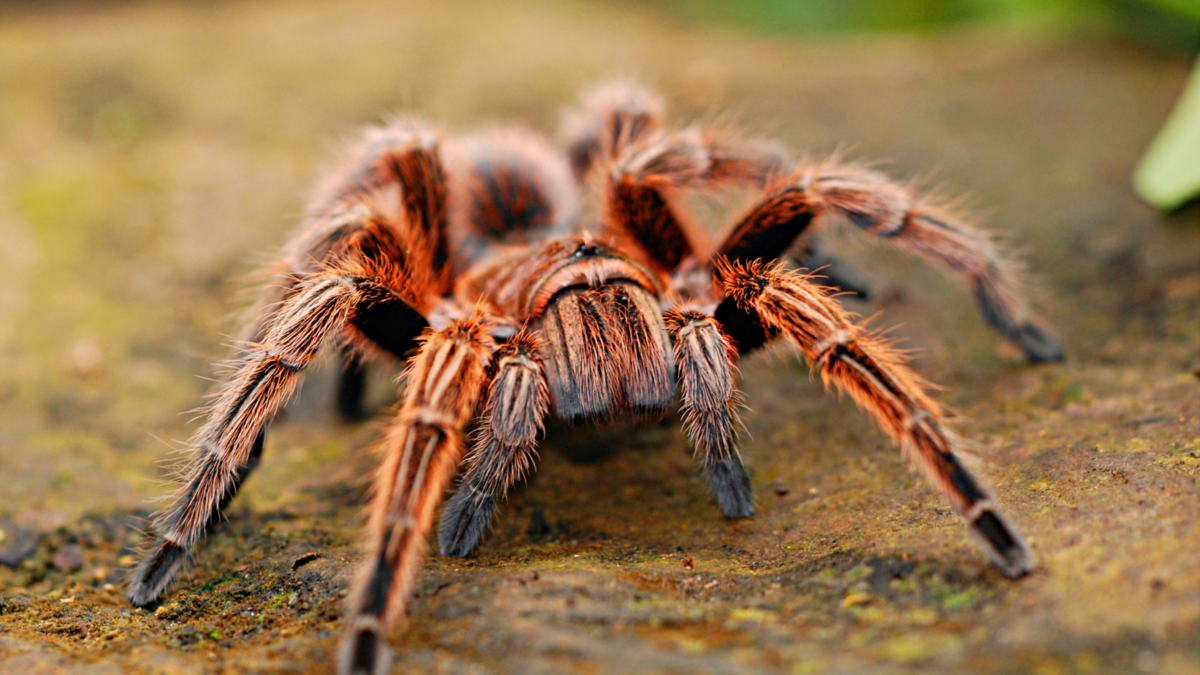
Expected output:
(504, 451)
(243, 472)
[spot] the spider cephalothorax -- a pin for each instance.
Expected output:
(468, 258)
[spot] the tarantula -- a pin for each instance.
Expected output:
(467, 258)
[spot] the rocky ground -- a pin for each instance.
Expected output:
(148, 151)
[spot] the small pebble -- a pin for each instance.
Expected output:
(304, 560)
(19, 543)
(780, 489)
(68, 558)
(85, 360)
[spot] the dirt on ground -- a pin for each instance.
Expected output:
(152, 155)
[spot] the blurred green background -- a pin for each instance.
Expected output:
(153, 154)
(1165, 24)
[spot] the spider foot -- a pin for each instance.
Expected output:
(365, 652)
(1039, 347)
(1002, 544)
(467, 516)
(731, 486)
(155, 573)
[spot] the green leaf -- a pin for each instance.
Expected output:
(1169, 174)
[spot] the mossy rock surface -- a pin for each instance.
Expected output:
(146, 150)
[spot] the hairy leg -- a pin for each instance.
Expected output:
(704, 359)
(937, 233)
(243, 472)
(829, 271)
(914, 224)
(352, 220)
(227, 446)
(644, 181)
(618, 131)
(351, 386)
(422, 449)
(875, 376)
(504, 450)
(609, 119)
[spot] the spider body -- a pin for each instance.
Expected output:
(467, 258)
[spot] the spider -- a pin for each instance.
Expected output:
(472, 259)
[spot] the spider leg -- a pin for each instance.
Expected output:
(609, 118)
(638, 198)
(387, 201)
(617, 130)
(914, 224)
(829, 271)
(876, 378)
(935, 233)
(351, 386)
(504, 450)
(704, 359)
(644, 180)
(243, 472)
(618, 115)
(422, 449)
(352, 219)
(228, 445)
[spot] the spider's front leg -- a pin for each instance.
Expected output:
(422, 450)
(875, 376)
(504, 450)
(387, 201)
(227, 446)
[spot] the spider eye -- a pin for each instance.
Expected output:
(586, 250)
